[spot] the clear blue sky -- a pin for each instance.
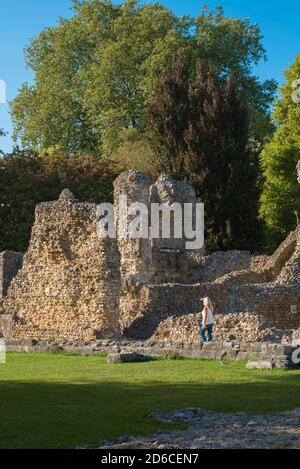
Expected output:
(21, 20)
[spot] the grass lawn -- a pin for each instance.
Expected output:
(61, 401)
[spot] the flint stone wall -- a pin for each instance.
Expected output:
(69, 285)
(169, 191)
(135, 254)
(144, 311)
(154, 260)
(75, 286)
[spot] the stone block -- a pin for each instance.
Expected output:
(6, 325)
(207, 354)
(260, 365)
(128, 358)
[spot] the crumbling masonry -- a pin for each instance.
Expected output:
(72, 285)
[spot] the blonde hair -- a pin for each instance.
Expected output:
(207, 302)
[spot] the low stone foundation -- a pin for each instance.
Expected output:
(280, 355)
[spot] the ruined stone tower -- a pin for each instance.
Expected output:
(135, 254)
(69, 284)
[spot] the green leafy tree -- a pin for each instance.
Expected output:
(134, 151)
(199, 129)
(27, 179)
(96, 72)
(280, 199)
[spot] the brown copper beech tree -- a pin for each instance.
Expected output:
(199, 131)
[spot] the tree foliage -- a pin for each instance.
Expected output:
(199, 129)
(134, 151)
(27, 179)
(280, 199)
(2, 134)
(96, 72)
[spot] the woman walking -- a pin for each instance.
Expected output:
(207, 324)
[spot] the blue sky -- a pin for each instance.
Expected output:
(22, 20)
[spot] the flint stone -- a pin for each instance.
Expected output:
(260, 365)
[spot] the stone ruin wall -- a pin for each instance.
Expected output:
(69, 284)
(280, 305)
(148, 261)
(74, 285)
(237, 282)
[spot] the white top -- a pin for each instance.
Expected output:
(210, 317)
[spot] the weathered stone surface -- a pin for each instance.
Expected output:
(169, 191)
(219, 264)
(296, 337)
(66, 197)
(260, 365)
(135, 254)
(280, 363)
(245, 327)
(127, 358)
(279, 304)
(6, 325)
(209, 430)
(69, 285)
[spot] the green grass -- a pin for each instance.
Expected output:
(61, 401)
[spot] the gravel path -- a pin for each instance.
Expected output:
(209, 430)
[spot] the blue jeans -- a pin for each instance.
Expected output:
(208, 329)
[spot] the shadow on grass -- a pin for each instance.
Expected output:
(62, 415)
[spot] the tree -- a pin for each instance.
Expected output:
(135, 152)
(280, 199)
(199, 130)
(96, 72)
(2, 134)
(27, 179)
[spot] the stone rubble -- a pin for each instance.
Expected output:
(209, 430)
(260, 365)
(128, 358)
